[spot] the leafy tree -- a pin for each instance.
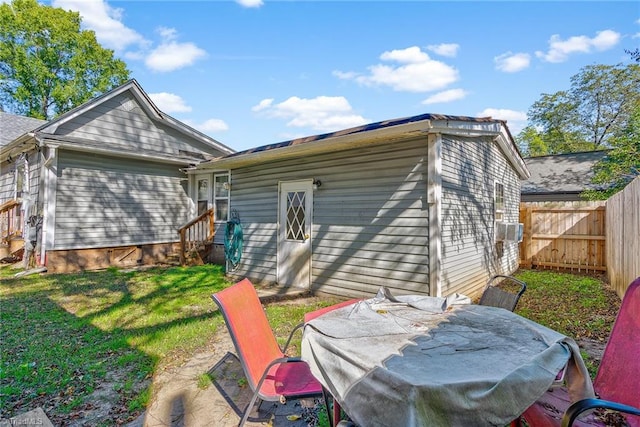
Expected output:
(622, 163)
(531, 142)
(48, 65)
(584, 118)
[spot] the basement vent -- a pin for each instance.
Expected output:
(128, 105)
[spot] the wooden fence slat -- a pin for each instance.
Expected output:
(623, 237)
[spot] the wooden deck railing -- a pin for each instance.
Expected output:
(10, 221)
(195, 233)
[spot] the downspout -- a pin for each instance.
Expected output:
(434, 201)
(49, 181)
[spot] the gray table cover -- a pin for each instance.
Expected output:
(425, 361)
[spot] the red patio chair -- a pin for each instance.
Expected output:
(616, 382)
(271, 375)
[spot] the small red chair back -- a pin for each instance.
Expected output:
(249, 328)
(618, 375)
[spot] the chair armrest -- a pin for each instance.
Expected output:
(580, 406)
(294, 330)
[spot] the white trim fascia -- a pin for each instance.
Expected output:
(434, 201)
(194, 133)
(17, 146)
(508, 147)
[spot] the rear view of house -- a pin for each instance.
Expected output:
(425, 204)
(100, 185)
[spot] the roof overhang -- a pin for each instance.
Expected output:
(17, 146)
(338, 142)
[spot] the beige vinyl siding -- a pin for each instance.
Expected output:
(370, 218)
(469, 170)
(104, 201)
(121, 123)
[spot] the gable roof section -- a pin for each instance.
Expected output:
(148, 106)
(568, 173)
(13, 126)
(48, 129)
(387, 131)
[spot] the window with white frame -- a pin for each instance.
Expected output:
(221, 196)
(498, 212)
(22, 178)
(202, 194)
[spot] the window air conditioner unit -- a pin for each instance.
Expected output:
(509, 231)
(514, 232)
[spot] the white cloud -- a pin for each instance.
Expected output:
(169, 102)
(213, 125)
(208, 126)
(559, 50)
(516, 120)
(416, 72)
(250, 3)
(350, 75)
(171, 55)
(445, 96)
(106, 21)
(512, 62)
(445, 49)
(264, 104)
(323, 113)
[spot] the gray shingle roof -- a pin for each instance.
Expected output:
(561, 173)
(365, 128)
(12, 126)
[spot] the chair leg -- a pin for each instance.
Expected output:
(248, 409)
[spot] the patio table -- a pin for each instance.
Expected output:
(416, 361)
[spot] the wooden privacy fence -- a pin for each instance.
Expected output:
(570, 235)
(623, 237)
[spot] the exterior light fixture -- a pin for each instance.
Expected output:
(316, 183)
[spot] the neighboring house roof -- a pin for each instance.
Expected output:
(48, 129)
(560, 175)
(13, 126)
(387, 130)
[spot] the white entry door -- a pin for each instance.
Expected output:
(294, 233)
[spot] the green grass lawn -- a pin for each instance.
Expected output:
(64, 335)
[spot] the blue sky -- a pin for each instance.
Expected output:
(254, 72)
